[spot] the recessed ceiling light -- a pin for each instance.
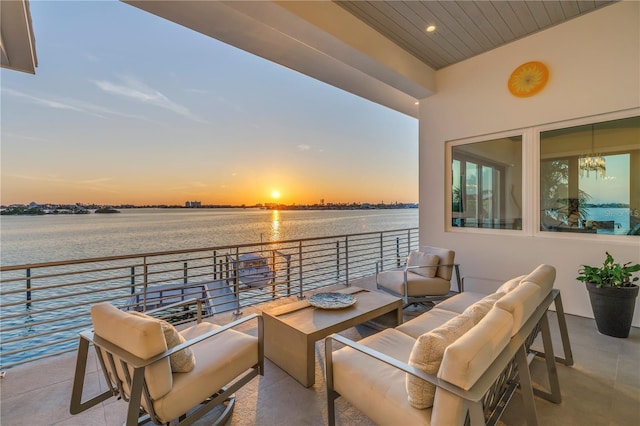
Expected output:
(430, 28)
(416, 103)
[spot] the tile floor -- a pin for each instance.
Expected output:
(601, 388)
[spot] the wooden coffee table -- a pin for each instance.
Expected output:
(290, 331)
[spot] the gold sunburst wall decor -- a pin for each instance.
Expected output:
(528, 79)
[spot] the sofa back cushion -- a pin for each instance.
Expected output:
(510, 285)
(520, 303)
(544, 276)
(466, 359)
(478, 310)
(139, 336)
(427, 354)
(429, 263)
(446, 256)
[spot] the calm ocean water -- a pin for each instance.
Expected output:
(37, 239)
(33, 239)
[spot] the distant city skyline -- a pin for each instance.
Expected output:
(127, 108)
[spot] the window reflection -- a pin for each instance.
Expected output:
(590, 178)
(487, 184)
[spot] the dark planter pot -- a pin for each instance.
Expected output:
(613, 308)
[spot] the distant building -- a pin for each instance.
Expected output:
(193, 204)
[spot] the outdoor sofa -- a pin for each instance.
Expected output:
(463, 358)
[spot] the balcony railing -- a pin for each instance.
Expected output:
(44, 306)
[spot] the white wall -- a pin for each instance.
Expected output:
(594, 64)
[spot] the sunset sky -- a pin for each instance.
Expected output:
(128, 108)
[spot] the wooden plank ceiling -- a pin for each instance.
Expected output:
(463, 28)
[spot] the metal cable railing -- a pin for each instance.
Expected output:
(44, 306)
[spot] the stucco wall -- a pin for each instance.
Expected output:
(594, 64)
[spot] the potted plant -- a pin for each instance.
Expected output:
(612, 293)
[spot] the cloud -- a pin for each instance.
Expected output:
(134, 89)
(96, 184)
(50, 103)
(69, 104)
(304, 147)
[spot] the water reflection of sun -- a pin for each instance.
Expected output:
(275, 225)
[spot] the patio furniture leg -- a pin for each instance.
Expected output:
(77, 406)
(476, 414)
(564, 333)
(526, 387)
(331, 394)
(552, 373)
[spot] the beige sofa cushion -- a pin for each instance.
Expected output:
(478, 310)
(510, 285)
(466, 359)
(139, 336)
(182, 361)
(427, 355)
(544, 276)
(426, 322)
(376, 388)
(461, 301)
(520, 303)
(426, 264)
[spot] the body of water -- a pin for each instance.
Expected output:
(619, 216)
(51, 238)
(34, 239)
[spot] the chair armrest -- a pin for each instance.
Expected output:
(401, 260)
(136, 362)
(468, 395)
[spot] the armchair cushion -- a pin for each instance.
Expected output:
(445, 270)
(182, 361)
(139, 336)
(419, 285)
(427, 354)
(426, 264)
(221, 359)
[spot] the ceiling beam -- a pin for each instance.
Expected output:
(17, 43)
(318, 39)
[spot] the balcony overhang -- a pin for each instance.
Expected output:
(318, 39)
(17, 43)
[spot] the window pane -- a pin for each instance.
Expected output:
(590, 178)
(487, 184)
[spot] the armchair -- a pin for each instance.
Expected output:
(424, 278)
(162, 383)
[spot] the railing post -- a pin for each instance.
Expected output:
(397, 252)
(346, 260)
(273, 276)
(337, 259)
(185, 272)
(28, 287)
(236, 282)
(408, 241)
(288, 275)
(300, 295)
(145, 283)
(381, 246)
(133, 280)
(215, 265)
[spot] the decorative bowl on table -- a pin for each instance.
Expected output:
(332, 300)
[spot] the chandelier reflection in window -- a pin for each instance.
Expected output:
(594, 162)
